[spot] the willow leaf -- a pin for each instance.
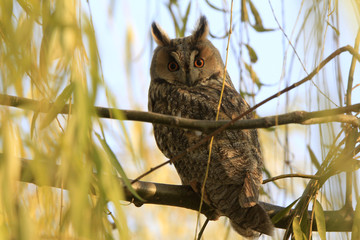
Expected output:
(320, 220)
(58, 105)
(116, 164)
(283, 212)
(313, 158)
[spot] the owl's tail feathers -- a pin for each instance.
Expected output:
(249, 222)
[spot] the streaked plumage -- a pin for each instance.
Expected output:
(186, 81)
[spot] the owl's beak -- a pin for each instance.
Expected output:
(188, 81)
(191, 80)
(188, 77)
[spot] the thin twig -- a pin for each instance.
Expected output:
(150, 171)
(312, 215)
(203, 228)
(292, 175)
(286, 36)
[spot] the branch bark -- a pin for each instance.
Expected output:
(184, 197)
(298, 117)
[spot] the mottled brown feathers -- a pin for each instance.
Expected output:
(235, 171)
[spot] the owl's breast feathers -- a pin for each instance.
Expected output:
(234, 174)
(235, 151)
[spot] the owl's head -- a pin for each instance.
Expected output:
(187, 61)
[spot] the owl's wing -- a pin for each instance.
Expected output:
(244, 145)
(250, 192)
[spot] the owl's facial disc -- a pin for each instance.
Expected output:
(186, 65)
(187, 61)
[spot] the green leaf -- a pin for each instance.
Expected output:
(214, 7)
(313, 158)
(246, 94)
(320, 220)
(253, 75)
(283, 212)
(33, 122)
(356, 225)
(116, 164)
(252, 53)
(298, 234)
(270, 129)
(120, 116)
(6, 12)
(334, 28)
(258, 26)
(58, 105)
(244, 13)
(305, 223)
(255, 13)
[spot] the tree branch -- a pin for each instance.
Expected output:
(299, 117)
(184, 197)
(291, 175)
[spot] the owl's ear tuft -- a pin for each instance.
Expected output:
(202, 30)
(159, 35)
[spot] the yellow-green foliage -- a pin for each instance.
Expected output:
(49, 52)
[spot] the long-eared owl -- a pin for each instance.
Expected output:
(186, 81)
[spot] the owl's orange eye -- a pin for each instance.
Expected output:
(199, 62)
(173, 66)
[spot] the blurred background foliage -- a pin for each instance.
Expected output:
(91, 53)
